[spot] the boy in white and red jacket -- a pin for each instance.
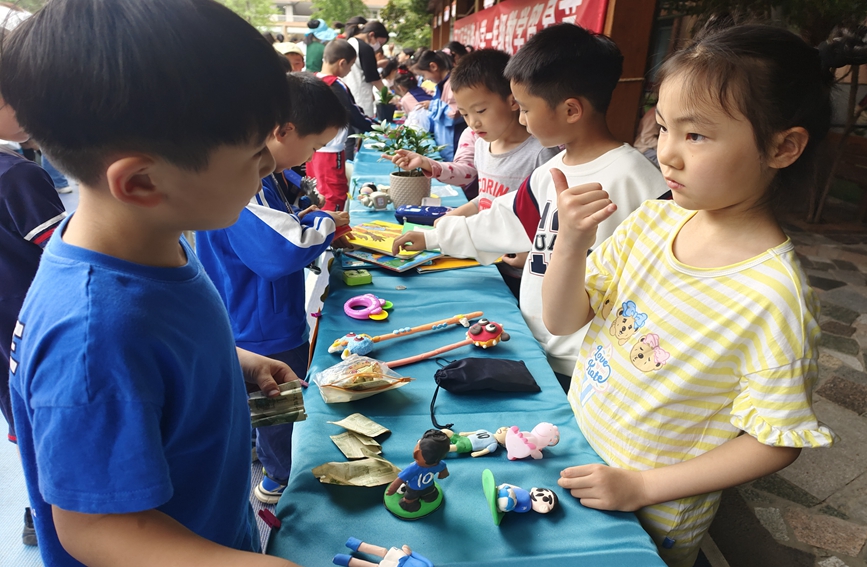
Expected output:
(562, 80)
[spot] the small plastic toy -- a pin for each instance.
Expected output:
(414, 493)
(521, 444)
(367, 306)
(394, 557)
(505, 498)
(357, 277)
(483, 334)
(477, 443)
(362, 344)
(419, 214)
(371, 195)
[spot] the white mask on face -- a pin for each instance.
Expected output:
(377, 46)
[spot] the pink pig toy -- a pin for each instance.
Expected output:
(521, 444)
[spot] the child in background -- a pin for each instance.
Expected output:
(436, 66)
(30, 212)
(727, 340)
(328, 164)
(562, 79)
(504, 153)
(406, 86)
(257, 264)
(127, 388)
(411, 95)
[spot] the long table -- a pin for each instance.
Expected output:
(318, 518)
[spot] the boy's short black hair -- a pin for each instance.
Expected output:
(170, 78)
(338, 49)
(314, 107)
(484, 67)
(567, 61)
(434, 446)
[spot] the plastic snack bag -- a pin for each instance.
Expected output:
(356, 378)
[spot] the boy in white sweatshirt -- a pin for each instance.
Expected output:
(562, 80)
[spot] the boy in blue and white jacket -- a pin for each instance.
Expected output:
(258, 263)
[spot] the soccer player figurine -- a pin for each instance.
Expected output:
(394, 557)
(415, 492)
(476, 443)
(503, 498)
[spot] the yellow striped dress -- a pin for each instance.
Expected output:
(678, 360)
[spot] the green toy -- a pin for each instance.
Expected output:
(357, 277)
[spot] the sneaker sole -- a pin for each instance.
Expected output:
(264, 497)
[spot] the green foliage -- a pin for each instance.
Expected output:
(388, 138)
(386, 96)
(814, 19)
(29, 5)
(410, 21)
(338, 10)
(257, 12)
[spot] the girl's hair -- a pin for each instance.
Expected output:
(405, 78)
(456, 49)
(354, 25)
(389, 68)
(377, 28)
(422, 61)
(774, 79)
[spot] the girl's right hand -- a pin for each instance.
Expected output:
(408, 160)
(580, 209)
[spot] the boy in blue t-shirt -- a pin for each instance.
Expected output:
(257, 264)
(127, 389)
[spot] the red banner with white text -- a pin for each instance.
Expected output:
(508, 25)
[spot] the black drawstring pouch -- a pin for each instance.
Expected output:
(472, 374)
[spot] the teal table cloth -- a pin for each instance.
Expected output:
(318, 518)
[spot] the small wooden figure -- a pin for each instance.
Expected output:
(422, 494)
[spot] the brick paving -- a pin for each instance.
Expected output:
(814, 513)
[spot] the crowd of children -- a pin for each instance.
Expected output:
(695, 323)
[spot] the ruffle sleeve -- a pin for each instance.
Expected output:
(775, 407)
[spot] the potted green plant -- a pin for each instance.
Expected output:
(406, 187)
(384, 108)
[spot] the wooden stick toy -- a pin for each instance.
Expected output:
(362, 344)
(483, 334)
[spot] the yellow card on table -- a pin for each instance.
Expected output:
(379, 237)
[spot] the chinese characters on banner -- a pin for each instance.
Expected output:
(508, 25)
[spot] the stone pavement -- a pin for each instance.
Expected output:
(814, 513)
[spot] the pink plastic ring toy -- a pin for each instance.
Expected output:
(366, 306)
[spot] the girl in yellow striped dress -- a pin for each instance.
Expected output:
(697, 371)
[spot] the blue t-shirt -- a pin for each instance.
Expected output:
(418, 477)
(128, 396)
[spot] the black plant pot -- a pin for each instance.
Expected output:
(385, 112)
